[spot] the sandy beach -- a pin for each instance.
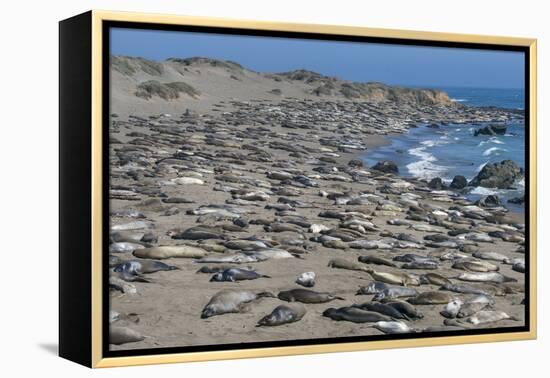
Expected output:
(280, 155)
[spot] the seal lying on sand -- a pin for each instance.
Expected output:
(432, 297)
(144, 266)
(283, 314)
(236, 274)
(393, 327)
(383, 309)
(354, 314)
(165, 252)
(341, 263)
(306, 296)
(228, 301)
(396, 278)
(122, 335)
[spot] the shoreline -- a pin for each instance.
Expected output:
(384, 140)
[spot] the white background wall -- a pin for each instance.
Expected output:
(29, 176)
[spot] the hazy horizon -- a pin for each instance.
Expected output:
(403, 65)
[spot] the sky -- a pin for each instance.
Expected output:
(356, 61)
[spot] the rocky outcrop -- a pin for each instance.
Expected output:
(500, 175)
(491, 130)
(386, 166)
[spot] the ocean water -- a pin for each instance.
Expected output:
(453, 149)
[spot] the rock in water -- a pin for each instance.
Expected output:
(500, 175)
(489, 201)
(459, 182)
(386, 166)
(491, 130)
(436, 183)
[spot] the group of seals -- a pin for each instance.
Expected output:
(272, 186)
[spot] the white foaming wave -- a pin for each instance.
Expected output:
(480, 167)
(434, 143)
(458, 99)
(521, 183)
(493, 150)
(495, 140)
(481, 191)
(425, 167)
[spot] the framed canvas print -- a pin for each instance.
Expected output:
(235, 189)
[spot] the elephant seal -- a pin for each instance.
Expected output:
(463, 289)
(146, 266)
(383, 309)
(199, 233)
(213, 269)
(165, 252)
(122, 335)
(341, 263)
(236, 274)
(475, 266)
(452, 308)
(397, 278)
(486, 277)
(431, 297)
(393, 327)
(395, 292)
(283, 314)
(371, 259)
(474, 305)
(306, 296)
(405, 308)
(306, 279)
(484, 317)
(354, 314)
(230, 301)
(372, 288)
(434, 279)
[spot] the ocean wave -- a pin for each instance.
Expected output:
(459, 100)
(493, 150)
(480, 167)
(481, 191)
(425, 167)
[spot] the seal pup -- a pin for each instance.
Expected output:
(393, 327)
(306, 279)
(307, 296)
(236, 274)
(452, 308)
(122, 335)
(354, 314)
(395, 292)
(167, 251)
(230, 301)
(372, 288)
(283, 314)
(431, 297)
